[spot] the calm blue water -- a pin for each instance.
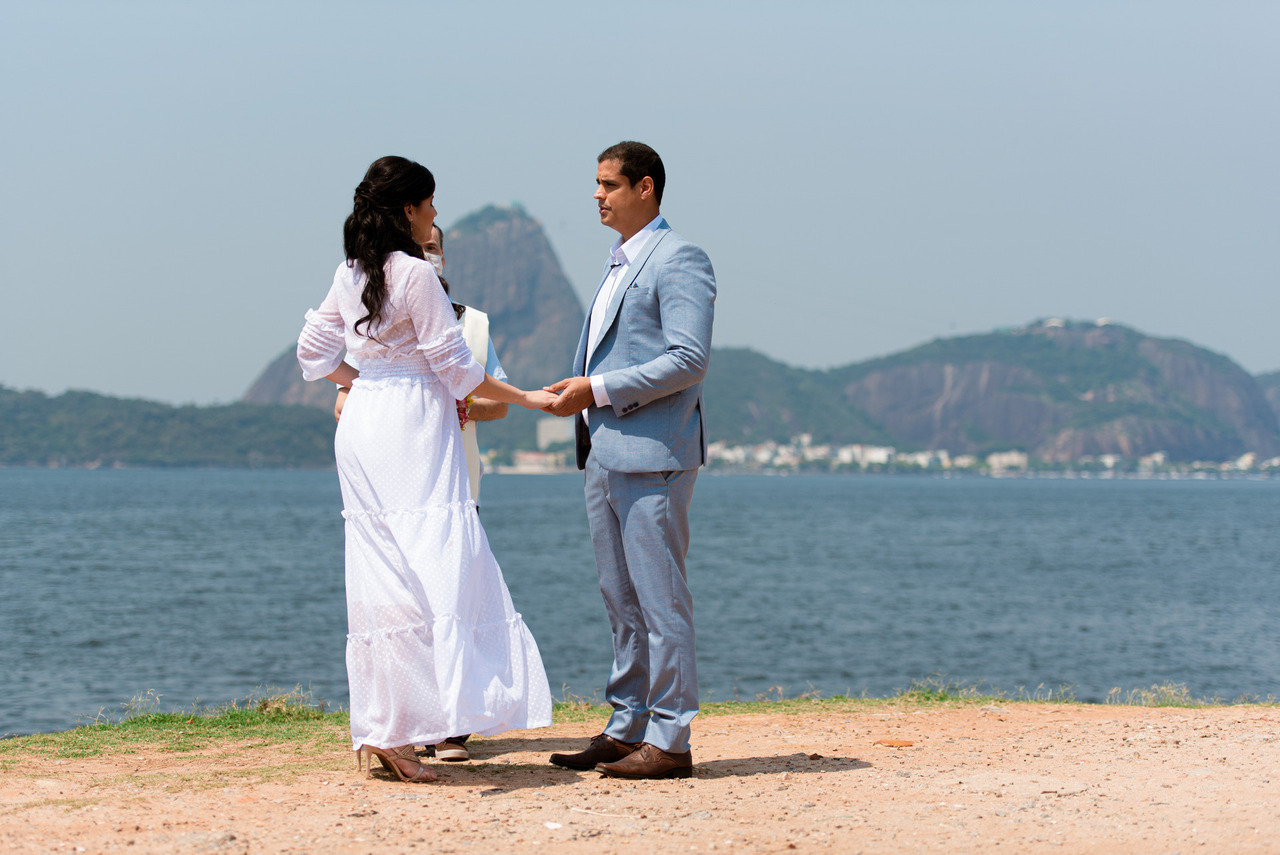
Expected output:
(205, 585)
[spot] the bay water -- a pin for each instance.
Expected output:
(205, 586)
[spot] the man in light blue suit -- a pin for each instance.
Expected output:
(636, 400)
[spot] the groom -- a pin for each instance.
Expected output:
(638, 415)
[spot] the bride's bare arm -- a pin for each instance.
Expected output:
(343, 375)
(497, 390)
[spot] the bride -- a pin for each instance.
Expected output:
(434, 645)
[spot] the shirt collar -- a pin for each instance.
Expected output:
(623, 253)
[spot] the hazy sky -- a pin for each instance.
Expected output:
(864, 176)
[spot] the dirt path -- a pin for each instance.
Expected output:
(1015, 778)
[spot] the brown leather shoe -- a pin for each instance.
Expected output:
(649, 761)
(603, 749)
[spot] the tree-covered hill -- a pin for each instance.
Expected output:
(82, 428)
(751, 398)
(1270, 383)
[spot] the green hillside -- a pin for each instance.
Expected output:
(79, 428)
(751, 398)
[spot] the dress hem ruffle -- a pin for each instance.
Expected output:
(410, 628)
(424, 510)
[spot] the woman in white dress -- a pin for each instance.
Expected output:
(434, 645)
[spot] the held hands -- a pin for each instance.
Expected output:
(538, 399)
(572, 396)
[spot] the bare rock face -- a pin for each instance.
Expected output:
(499, 261)
(1216, 385)
(1133, 436)
(959, 407)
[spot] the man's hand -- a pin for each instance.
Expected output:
(486, 410)
(575, 396)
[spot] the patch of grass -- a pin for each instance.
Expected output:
(575, 708)
(932, 691)
(288, 718)
(1165, 695)
(1178, 695)
(939, 689)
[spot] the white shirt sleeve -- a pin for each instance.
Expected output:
(597, 389)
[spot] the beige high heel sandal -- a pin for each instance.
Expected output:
(388, 757)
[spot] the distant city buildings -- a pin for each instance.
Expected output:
(801, 454)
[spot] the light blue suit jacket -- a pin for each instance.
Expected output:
(653, 352)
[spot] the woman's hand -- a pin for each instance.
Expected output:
(497, 390)
(337, 405)
(538, 399)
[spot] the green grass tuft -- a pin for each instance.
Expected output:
(1177, 695)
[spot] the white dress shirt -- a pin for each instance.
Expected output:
(620, 258)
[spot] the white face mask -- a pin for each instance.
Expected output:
(437, 261)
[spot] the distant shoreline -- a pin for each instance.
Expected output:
(1029, 475)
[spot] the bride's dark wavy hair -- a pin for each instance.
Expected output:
(378, 226)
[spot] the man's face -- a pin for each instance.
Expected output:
(623, 207)
(432, 247)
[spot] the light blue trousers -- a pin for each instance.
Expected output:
(640, 531)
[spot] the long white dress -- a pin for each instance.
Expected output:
(435, 647)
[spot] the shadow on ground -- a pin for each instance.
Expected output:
(805, 764)
(489, 764)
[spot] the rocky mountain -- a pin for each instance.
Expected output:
(499, 261)
(281, 383)
(1061, 390)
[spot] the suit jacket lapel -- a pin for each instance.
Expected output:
(633, 270)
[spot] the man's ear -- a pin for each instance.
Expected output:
(646, 187)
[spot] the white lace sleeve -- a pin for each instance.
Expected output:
(439, 334)
(322, 338)
(452, 362)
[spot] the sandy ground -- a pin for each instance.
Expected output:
(1012, 777)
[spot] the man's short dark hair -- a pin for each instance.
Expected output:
(636, 161)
